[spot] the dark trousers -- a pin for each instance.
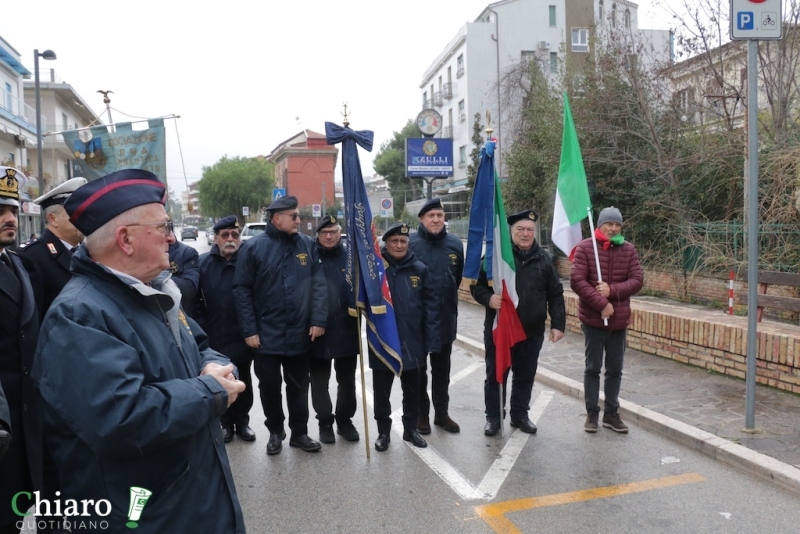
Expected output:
(440, 383)
(612, 343)
(295, 370)
(524, 362)
(238, 413)
(345, 367)
(382, 390)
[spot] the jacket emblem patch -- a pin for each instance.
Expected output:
(303, 257)
(173, 267)
(52, 248)
(414, 281)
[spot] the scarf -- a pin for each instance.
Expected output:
(616, 240)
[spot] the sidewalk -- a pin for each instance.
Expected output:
(700, 406)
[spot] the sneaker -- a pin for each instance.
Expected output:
(612, 421)
(591, 422)
(326, 434)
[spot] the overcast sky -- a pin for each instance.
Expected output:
(245, 75)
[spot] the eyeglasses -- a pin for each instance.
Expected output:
(524, 230)
(226, 235)
(294, 216)
(165, 228)
(329, 233)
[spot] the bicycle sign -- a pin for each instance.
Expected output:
(756, 19)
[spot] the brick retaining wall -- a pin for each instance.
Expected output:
(705, 338)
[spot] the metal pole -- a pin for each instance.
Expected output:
(430, 188)
(38, 120)
(752, 232)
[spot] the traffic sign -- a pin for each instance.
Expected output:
(316, 210)
(278, 192)
(245, 211)
(756, 19)
(387, 207)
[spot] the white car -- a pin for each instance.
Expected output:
(253, 229)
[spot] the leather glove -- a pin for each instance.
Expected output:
(5, 441)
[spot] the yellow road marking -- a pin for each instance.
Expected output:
(495, 514)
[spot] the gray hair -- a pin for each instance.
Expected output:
(101, 240)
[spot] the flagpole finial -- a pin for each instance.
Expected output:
(489, 132)
(345, 114)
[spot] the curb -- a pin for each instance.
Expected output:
(720, 449)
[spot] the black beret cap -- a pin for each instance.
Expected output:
(283, 203)
(99, 201)
(226, 223)
(328, 220)
(396, 229)
(432, 204)
(527, 214)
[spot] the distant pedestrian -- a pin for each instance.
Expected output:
(604, 309)
(216, 314)
(340, 342)
(185, 269)
(416, 311)
(540, 293)
(282, 304)
(443, 254)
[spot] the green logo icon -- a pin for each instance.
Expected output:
(139, 498)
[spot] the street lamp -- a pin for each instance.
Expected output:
(47, 54)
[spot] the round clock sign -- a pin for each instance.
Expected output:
(429, 122)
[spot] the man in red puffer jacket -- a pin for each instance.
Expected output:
(604, 310)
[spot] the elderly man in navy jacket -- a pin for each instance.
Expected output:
(216, 314)
(282, 304)
(132, 394)
(443, 254)
(415, 307)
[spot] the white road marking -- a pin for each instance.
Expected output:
(501, 467)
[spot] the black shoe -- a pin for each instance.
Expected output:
(326, 434)
(492, 428)
(245, 433)
(305, 443)
(424, 425)
(415, 439)
(446, 423)
(227, 433)
(525, 425)
(382, 443)
(274, 444)
(348, 432)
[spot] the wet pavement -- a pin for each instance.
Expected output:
(703, 399)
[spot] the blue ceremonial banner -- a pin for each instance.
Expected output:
(100, 151)
(365, 272)
(481, 217)
(431, 156)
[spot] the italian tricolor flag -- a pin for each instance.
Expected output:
(507, 330)
(572, 194)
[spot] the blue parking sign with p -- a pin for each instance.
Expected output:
(278, 192)
(745, 20)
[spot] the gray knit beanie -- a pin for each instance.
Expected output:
(610, 214)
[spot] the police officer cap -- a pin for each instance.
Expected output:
(60, 193)
(397, 229)
(433, 204)
(11, 182)
(283, 203)
(530, 215)
(328, 220)
(226, 223)
(94, 204)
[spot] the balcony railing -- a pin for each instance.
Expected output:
(447, 90)
(437, 99)
(447, 132)
(427, 104)
(460, 72)
(462, 117)
(17, 108)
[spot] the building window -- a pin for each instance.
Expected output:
(554, 62)
(552, 10)
(462, 116)
(460, 66)
(425, 100)
(580, 40)
(627, 18)
(9, 96)
(601, 11)
(462, 155)
(64, 123)
(527, 55)
(614, 15)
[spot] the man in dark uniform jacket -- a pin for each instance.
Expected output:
(216, 314)
(21, 468)
(340, 342)
(47, 258)
(415, 308)
(443, 254)
(540, 292)
(282, 303)
(5, 424)
(185, 269)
